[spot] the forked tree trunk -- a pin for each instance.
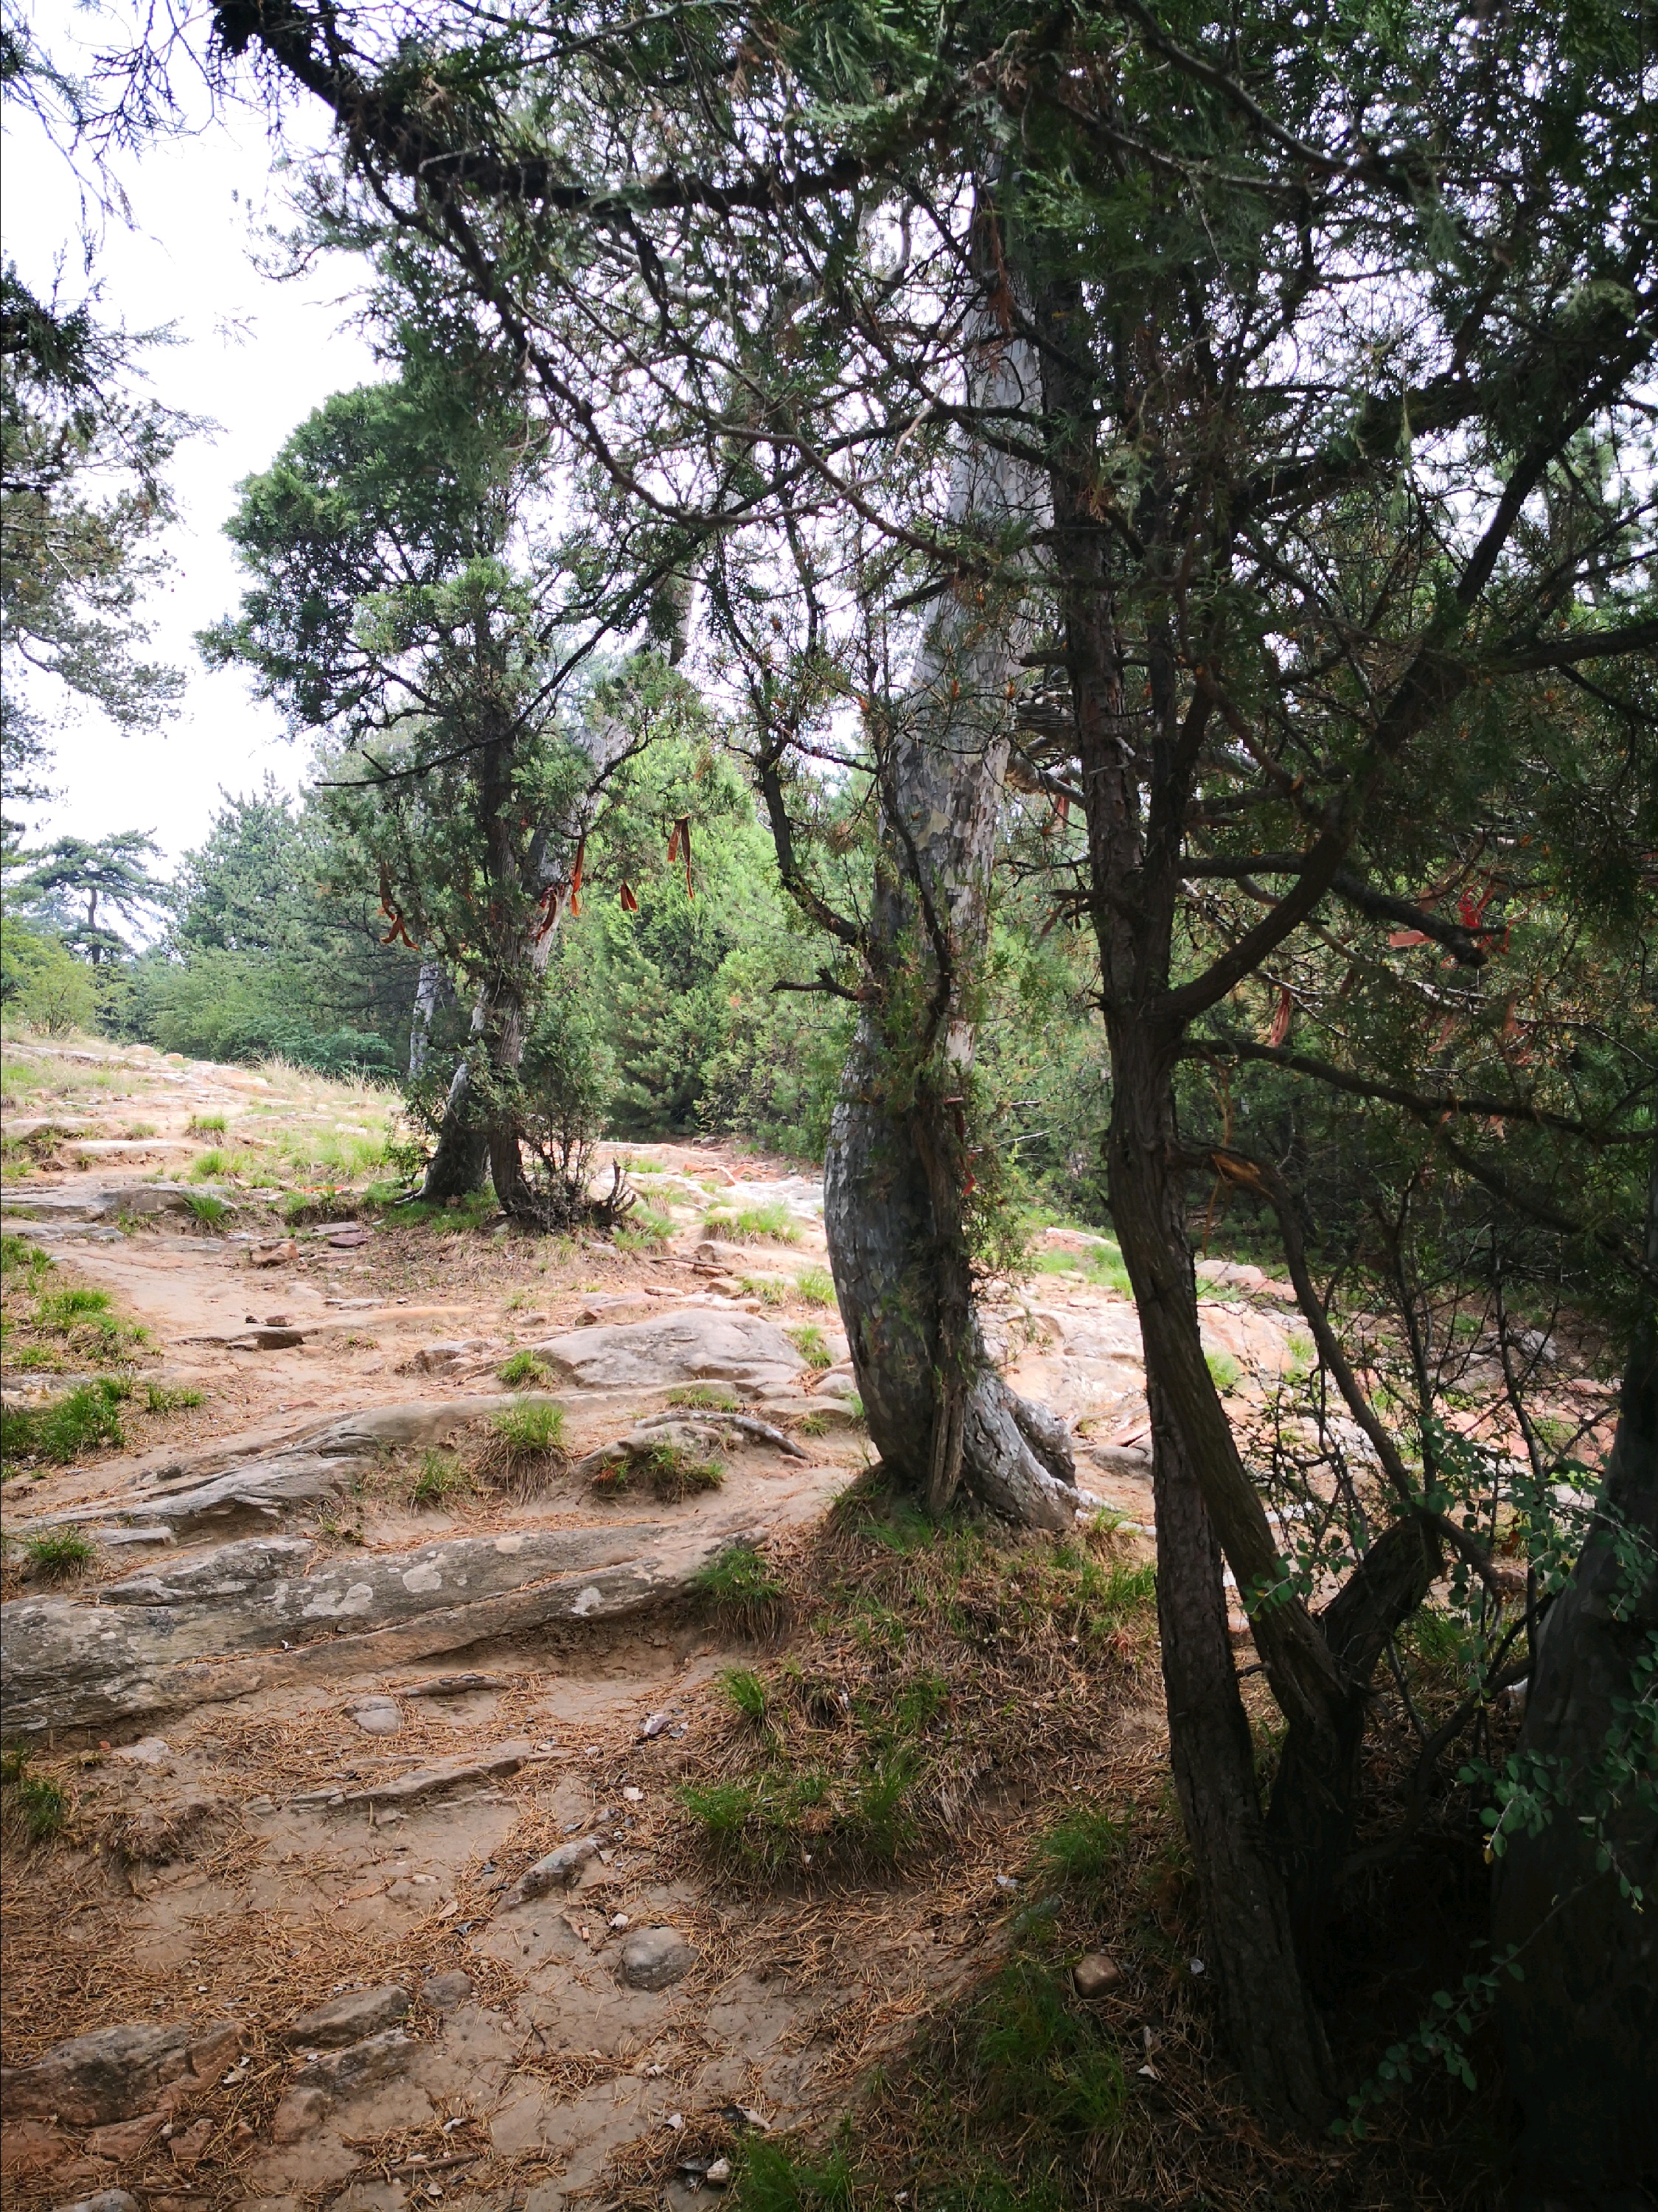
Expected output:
(1580, 2029)
(897, 1169)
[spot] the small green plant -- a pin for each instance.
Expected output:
(525, 1448)
(85, 1417)
(769, 2179)
(740, 1586)
(136, 1132)
(810, 1340)
(710, 1397)
(766, 1288)
(1085, 1848)
(63, 1311)
(723, 1808)
(32, 1807)
(438, 1477)
(206, 1166)
(1041, 2060)
(753, 1223)
(672, 1472)
(209, 1210)
(746, 1692)
(523, 1368)
(19, 1257)
(644, 1231)
(815, 1287)
(160, 1398)
(200, 1125)
(1224, 1372)
(58, 1555)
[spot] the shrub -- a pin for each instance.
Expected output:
(42, 985)
(58, 1555)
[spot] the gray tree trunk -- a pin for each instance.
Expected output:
(1580, 2030)
(428, 989)
(896, 1172)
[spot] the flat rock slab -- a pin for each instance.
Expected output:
(246, 1615)
(117, 2072)
(348, 2019)
(694, 1344)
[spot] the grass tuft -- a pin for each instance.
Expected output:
(202, 1124)
(708, 1397)
(521, 1368)
(208, 1209)
(160, 1398)
(525, 1448)
(747, 1692)
(439, 1476)
(810, 1340)
(767, 1225)
(644, 1231)
(816, 1287)
(80, 1421)
(58, 1555)
(1224, 1372)
(31, 1806)
(741, 1587)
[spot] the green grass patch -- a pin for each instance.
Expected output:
(160, 1398)
(741, 1587)
(58, 1555)
(32, 1808)
(815, 1287)
(709, 1397)
(747, 1692)
(810, 1340)
(523, 1369)
(767, 1225)
(61, 1311)
(80, 1421)
(210, 1210)
(525, 1447)
(439, 1477)
(210, 1166)
(644, 1231)
(669, 1470)
(1224, 1372)
(19, 1260)
(767, 1289)
(201, 1125)
(1085, 1849)
(1041, 2060)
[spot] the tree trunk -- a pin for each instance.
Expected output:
(898, 1170)
(1271, 2024)
(460, 1161)
(428, 989)
(1580, 2030)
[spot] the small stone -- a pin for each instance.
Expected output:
(299, 2112)
(557, 1871)
(719, 2172)
(125, 2138)
(632, 1796)
(444, 1992)
(348, 2019)
(656, 1724)
(103, 2200)
(378, 1715)
(148, 1751)
(188, 2146)
(654, 1958)
(1093, 1976)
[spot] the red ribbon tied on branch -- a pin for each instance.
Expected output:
(398, 931)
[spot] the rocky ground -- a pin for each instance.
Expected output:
(356, 1667)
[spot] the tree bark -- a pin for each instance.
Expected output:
(1580, 2030)
(897, 1171)
(428, 989)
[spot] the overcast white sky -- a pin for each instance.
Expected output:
(253, 354)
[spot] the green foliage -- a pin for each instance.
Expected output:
(815, 1286)
(771, 2179)
(83, 1420)
(58, 1555)
(812, 1345)
(1224, 1372)
(32, 1807)
(671, 1471)
(740, 1586)
(1043, 2059)
(439, 1477)
(752, 1224)
(714, 1397)
(535, 1425)
(207, 1208)
(205, 1125)
(1085, 1849)
(42, 985)
(642, 1230)
(746, 1692)
(169, 1398)
(522, 1368)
